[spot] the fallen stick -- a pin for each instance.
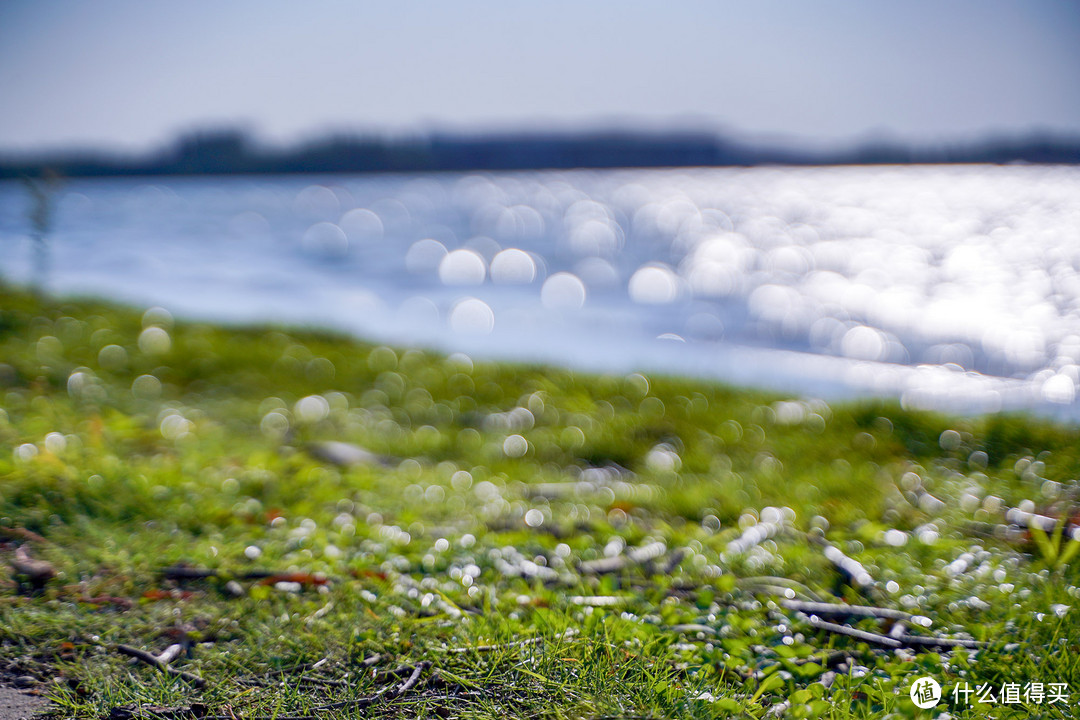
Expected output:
(753, 535)
(38, 572)
(345, 454)
(889, 642)
(1026, 519)
(394, 673)
(771, 581)
(372, 660)
(388, 693)
(849, 567)
(767, 589)
(839, 609)
(867, 637)
(913, 640)
(153, 661)
(634, 556)
(413, 679)
(171, 653)
(320, 612)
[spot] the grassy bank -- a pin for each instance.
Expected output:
(512, 541)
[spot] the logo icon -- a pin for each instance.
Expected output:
(925, 692)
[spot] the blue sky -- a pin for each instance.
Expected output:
(132, 73)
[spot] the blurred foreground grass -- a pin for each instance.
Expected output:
(521, 541)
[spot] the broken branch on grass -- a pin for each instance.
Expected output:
(412, 680)
(372, 660)
(767, 589)
(891, 642)
(867, 637)
(388, 693)
(394, 673)
(345, 454)
(841, 610)
(913, 640)
(38, 572)
(634, 556)
(1027, 520)
(321, 612)
(753, 535)
(170, 653)
(771, 582)
(849, 567)
(164, 667)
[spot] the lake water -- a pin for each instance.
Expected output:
(949, 287)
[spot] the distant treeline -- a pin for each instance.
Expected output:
(234, 152)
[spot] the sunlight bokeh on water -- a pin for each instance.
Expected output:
(949, 287)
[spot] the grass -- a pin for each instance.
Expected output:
(468, 556)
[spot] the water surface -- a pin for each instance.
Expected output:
(949, 287)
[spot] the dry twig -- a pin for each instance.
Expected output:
(156, 662)
(892, 642)
(388, 693)
(634, 556)
(841, 610)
